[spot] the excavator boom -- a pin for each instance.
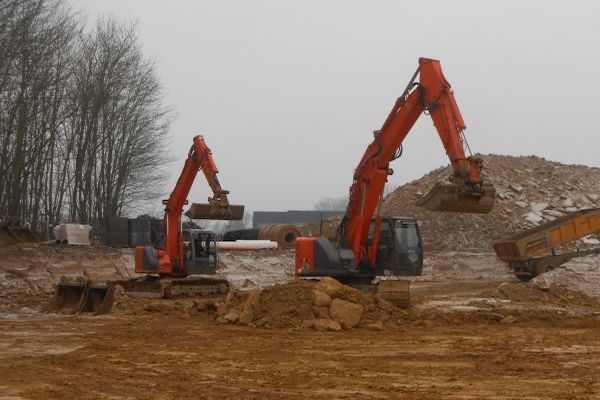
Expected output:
(360, 228)
(464, 191)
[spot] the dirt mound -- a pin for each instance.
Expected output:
(326, 305)
(28, 272)
(14, 233)
(579, 276)
(529, 191)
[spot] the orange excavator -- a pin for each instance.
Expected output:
(179, 267)
(368, 245)
(189, 251)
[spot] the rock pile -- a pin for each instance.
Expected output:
(579, 275)
(324, 306)
(529, 191)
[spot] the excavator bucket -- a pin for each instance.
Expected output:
(449, 196)
(208, 211)
(82, 296)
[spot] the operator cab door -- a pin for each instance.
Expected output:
(386, 247)
(200, 252)
(400, 249)
(409, 245)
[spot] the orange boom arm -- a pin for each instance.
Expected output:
(199, 158)
(431, 94)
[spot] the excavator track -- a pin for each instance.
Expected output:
(177, 287)
(82, 295)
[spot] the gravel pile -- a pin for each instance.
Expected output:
(529, 191)
(324, 306)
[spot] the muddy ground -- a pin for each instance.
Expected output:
(473, 331)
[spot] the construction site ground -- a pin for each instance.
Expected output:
(473, 331)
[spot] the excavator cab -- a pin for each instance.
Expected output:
(400, 248)
(199, 252)
(399, 253)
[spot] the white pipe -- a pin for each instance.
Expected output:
(247, 245)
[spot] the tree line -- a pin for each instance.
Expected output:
(82, 120)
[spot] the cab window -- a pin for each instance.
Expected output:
(407, 234)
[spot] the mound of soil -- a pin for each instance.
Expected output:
(28, 272)
(579, 276)
(327, 305)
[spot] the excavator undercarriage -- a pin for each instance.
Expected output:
(179, 265)
(82, 295)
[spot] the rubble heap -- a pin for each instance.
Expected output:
(529, 191)
(579, 275)
(326, 306)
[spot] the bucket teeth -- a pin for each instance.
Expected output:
(450, 197)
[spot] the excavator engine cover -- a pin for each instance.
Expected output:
(450, 196)
(209, 211)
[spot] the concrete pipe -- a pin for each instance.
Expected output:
(284, 234)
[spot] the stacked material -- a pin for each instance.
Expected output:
(73, 234)
(283, 234)
(247, 245)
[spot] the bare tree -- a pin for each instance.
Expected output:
(36, 37)
(332, 204)
(82, 125)
(118, 130)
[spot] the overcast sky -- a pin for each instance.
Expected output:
(287, 93)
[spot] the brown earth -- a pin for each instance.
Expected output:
(168, 356)
(28, 272)
(326, 305)
(473, 331)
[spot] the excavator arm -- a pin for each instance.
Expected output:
(464, 192)
(218, 207)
